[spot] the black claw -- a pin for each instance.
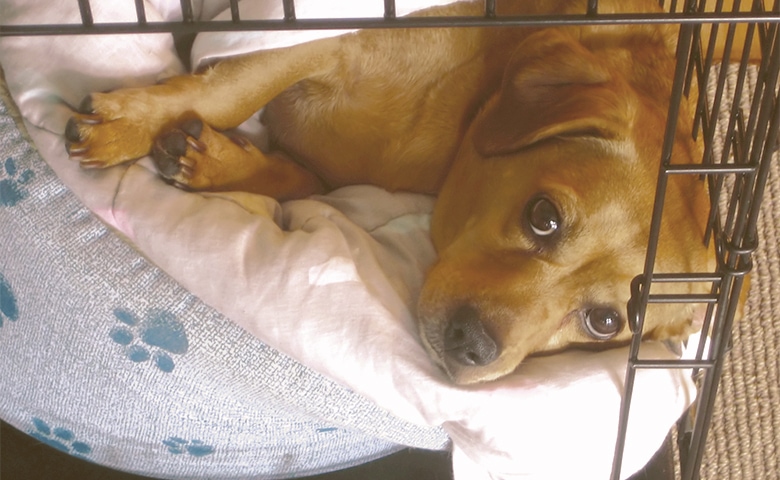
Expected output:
(86, 105)
(192, 127)
(166, 152)
(72, 131)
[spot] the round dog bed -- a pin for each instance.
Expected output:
(107, 358)
(182, 335)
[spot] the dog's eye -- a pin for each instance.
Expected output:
(601, 323)
(542, 217)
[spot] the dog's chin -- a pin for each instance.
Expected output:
(467, 375)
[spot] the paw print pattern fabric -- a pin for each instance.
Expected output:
(60, 438)
(105, 356)
(8, 308)
(155, 337)
(12, 187)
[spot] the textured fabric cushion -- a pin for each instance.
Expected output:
(107, 358)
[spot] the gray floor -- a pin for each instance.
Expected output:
(24, 458)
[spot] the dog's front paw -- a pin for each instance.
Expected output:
(111, 128)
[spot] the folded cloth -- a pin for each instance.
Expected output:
(331, 281)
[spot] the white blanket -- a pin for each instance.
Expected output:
(331, 281)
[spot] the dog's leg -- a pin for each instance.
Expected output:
(111, 128)
(194, 156)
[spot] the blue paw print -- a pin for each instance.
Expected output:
(8, 308)
(155, 337)
(11, 188)
(60, 438)
(196, 448)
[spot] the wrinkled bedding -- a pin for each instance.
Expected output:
(330, 281)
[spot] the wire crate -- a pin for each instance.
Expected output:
(736, 170)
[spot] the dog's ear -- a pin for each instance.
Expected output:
(552, 86)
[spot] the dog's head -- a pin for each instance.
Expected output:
(543, 221)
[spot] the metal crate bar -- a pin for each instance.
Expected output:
(684, 277)
(490, 8)
(289, 10)
(389, 8)
(674, 364)
(760, 142)
(682, 298)
(637, 306)
(86, 13)
(735, 124)
(235, 16)
(140, 11)
(720, 339)
(702, 169)
(291, 23)
(709, 121)
(187, 14)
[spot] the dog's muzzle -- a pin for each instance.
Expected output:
(466, 341)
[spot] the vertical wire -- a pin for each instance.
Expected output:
(86, 13)
(770, 130)
(743, 239)
(715, 184)
(289, 9)
(186, 11)
(490, 8)
(733, 141)
(695, 64)
(140, 11)
(643, 282)
(709, 388)
(234, 13)
(389, 8)
(709, 120)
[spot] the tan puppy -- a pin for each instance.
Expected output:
(542, 145)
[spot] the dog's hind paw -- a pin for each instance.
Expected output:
(173, 153)
(193, 156)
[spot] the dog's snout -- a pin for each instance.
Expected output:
(466, 341)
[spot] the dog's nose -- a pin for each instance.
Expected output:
(466, 341)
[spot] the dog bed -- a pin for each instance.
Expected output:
(181, 335)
